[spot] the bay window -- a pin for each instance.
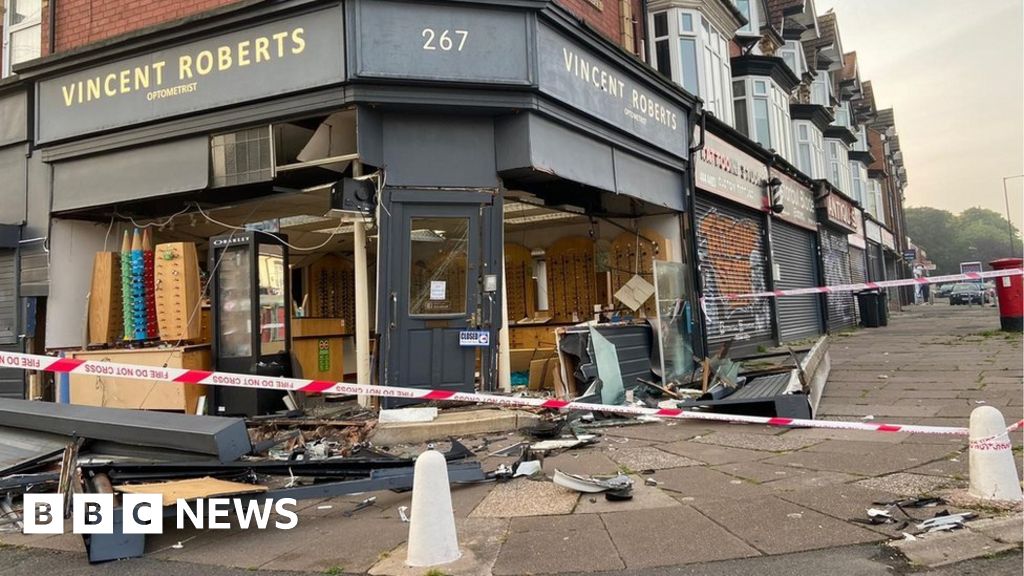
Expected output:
(838, 165)
(22, 32)
(694, 54)
(762, 114)
(810, 153)
(749, 10)
(793, 55)
(821, 89)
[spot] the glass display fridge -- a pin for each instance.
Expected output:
(250, 318)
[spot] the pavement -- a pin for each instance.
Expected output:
(729, 498)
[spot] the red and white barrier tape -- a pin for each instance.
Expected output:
(875, 285)
(203, 377)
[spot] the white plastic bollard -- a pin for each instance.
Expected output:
(432, 537)
(993, 470)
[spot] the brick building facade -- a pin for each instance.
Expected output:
(84, 22)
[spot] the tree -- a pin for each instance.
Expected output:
(932, 229)
(976, 234)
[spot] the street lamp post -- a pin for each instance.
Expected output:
(1006, 198)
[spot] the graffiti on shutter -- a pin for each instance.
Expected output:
(835, 255)
(731, 252)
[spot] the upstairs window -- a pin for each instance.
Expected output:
(821, 89)
(793, 55)
(838, 165)
(842, 113)
(750, 13)
(22, 32)
(762, 113)
(810, 154)
(690, 51)
(662, 55)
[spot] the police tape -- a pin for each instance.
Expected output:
(203, 377)
(874, 285)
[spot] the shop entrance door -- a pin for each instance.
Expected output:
(440, 302)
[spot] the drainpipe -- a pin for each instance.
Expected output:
(643, 25)
(52, 40)
(699, 344)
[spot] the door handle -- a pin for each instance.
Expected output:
(393, 322)
(490, 311)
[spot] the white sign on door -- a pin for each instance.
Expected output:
(438, 289)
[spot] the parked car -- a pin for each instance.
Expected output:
(943, 290)
(967, 293)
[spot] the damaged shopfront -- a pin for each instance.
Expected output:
(418, 195)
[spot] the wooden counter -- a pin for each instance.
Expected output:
(113, 392)
(317, 348)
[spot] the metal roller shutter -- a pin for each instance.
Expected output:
(730, 246)
(835, 256)
(795, 254)
(11, 380)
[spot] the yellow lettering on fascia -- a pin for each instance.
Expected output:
(223, 58)
(185, 67)
(298, 41)
(204, 62)
(243, 52)
(92, 90)
(279, 37)
(141, 77)
(109, 85)
(69, 93)
(158, 67)
(124, 81)
(262, 49)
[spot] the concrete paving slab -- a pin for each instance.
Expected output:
(877, 410)
(649, 458)
(851, 446)
(849, 435)
(775, 526)
(565, 523)
(955, 467)
(524, 497)
(711, 453)
(846, 502)
(658, 431)
(556, 553)
(773, 443)
(798, 479)
(1008, 529)
(837, 458)
(332, 548)
(942, 548)
(700, 483)
(644, 498)
(759, 471)
(654, 538)
(906, 484)
(480, 541)
(587, 461)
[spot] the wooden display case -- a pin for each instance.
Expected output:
(114, 392)
(318, 348)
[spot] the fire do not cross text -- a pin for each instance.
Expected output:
(144, 513)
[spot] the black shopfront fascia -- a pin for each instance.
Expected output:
(567, 73)
(483, 104)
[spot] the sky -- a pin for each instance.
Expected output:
(953, 72)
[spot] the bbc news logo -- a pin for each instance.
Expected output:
(144, 513)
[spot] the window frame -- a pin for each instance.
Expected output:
(10, 29)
